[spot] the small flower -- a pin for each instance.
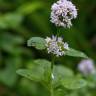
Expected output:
(56, 46)
(86, 67)
(63, 11)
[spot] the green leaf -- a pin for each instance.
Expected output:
(62, 70)
(64, 76)
(75, 53)
(60, 92)
(37, 42)
(31, 74)
(73, 83)
(59, 73)
(39, 72)
(45, 66)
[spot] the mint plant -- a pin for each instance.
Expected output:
(56, 78)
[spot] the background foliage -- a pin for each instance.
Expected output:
(22, 19)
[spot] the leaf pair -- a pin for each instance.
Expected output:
(41, 72)
(39, 43)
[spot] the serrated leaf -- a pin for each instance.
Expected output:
(37, 42)
(75, 53)
(73, 83)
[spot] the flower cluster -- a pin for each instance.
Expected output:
(63, 11)
(86, 67)
(56, 46)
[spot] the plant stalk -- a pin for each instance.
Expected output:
(52, 65)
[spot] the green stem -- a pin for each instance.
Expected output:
(58, 32)
(52, 65)
(52, 93)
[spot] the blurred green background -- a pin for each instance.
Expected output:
(22, 19)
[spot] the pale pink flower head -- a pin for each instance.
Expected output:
(62, 12)
(86, 67)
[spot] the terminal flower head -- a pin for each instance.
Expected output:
(62, 12)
